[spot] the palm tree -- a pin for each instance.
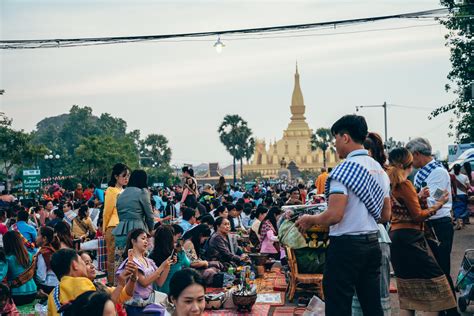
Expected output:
(324, 140)
(234, 134)
(247, 150)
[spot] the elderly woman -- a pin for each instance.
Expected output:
(219, 245)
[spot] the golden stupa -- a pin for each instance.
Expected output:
(293, 152)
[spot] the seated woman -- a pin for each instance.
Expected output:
(166, 246)
(221, 211)
(7, 306)
(194, 240)
(21, 269)
(63, 232)
(187, 293)
(219, 249)
(126, 281)
(148, 272)
(82, 227)
(268, 233)
(48, 244)
(259, 215)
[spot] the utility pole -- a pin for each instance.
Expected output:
(384, 106)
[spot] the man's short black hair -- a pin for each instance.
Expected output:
(22, 216)
(354, 125)
(61, 261)
(188, 213)
(58, 212)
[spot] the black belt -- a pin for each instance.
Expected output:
(440, 220)
(365, 237)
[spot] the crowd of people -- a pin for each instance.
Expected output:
(146, 242)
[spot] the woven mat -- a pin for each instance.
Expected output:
(287, 311)
(257, 310)
(271, 282)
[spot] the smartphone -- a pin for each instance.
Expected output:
(438, 194)
(173, 253)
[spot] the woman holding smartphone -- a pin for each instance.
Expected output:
(168, 245)
(148, 272)
(422, 285)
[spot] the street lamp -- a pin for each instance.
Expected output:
(384, 106)
(50, 158)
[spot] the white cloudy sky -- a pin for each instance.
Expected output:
(184, 89)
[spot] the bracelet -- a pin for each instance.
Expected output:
(133, 278)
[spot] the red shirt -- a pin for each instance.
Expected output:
(3, 229)
(87, 194)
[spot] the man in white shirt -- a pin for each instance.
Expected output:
(433, 175)
(354, 257)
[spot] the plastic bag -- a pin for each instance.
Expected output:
(290, 236)
(316, 307)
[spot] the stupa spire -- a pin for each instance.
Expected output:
(297, 101)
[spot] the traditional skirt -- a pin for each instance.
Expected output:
(421, 283)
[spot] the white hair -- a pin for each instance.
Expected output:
(419, 145)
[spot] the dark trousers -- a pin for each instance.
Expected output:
(23, 299)
(444, 231)
(353, 264)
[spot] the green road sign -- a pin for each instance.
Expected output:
(31, 180)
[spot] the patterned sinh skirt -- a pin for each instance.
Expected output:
(421, 283)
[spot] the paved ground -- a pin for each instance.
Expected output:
(463, 239)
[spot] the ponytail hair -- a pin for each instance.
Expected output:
(374, 144)
(399, 159)
(51, 238)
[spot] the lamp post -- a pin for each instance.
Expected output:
(384, 106)
(50, 158)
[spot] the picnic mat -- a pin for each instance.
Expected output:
(287, 311)
(272, 281)
(257, 310)
(27, 310)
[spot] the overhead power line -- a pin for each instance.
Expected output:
(71, 42)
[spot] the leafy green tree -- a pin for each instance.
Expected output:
(97, 154)
(234, 135)
(247, 153)
(16, 149)
(392, 143)
(155, 148)
(460, 41)
(324, 140)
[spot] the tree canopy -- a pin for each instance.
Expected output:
(88, 146)
(323, 140)
(461, 44)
